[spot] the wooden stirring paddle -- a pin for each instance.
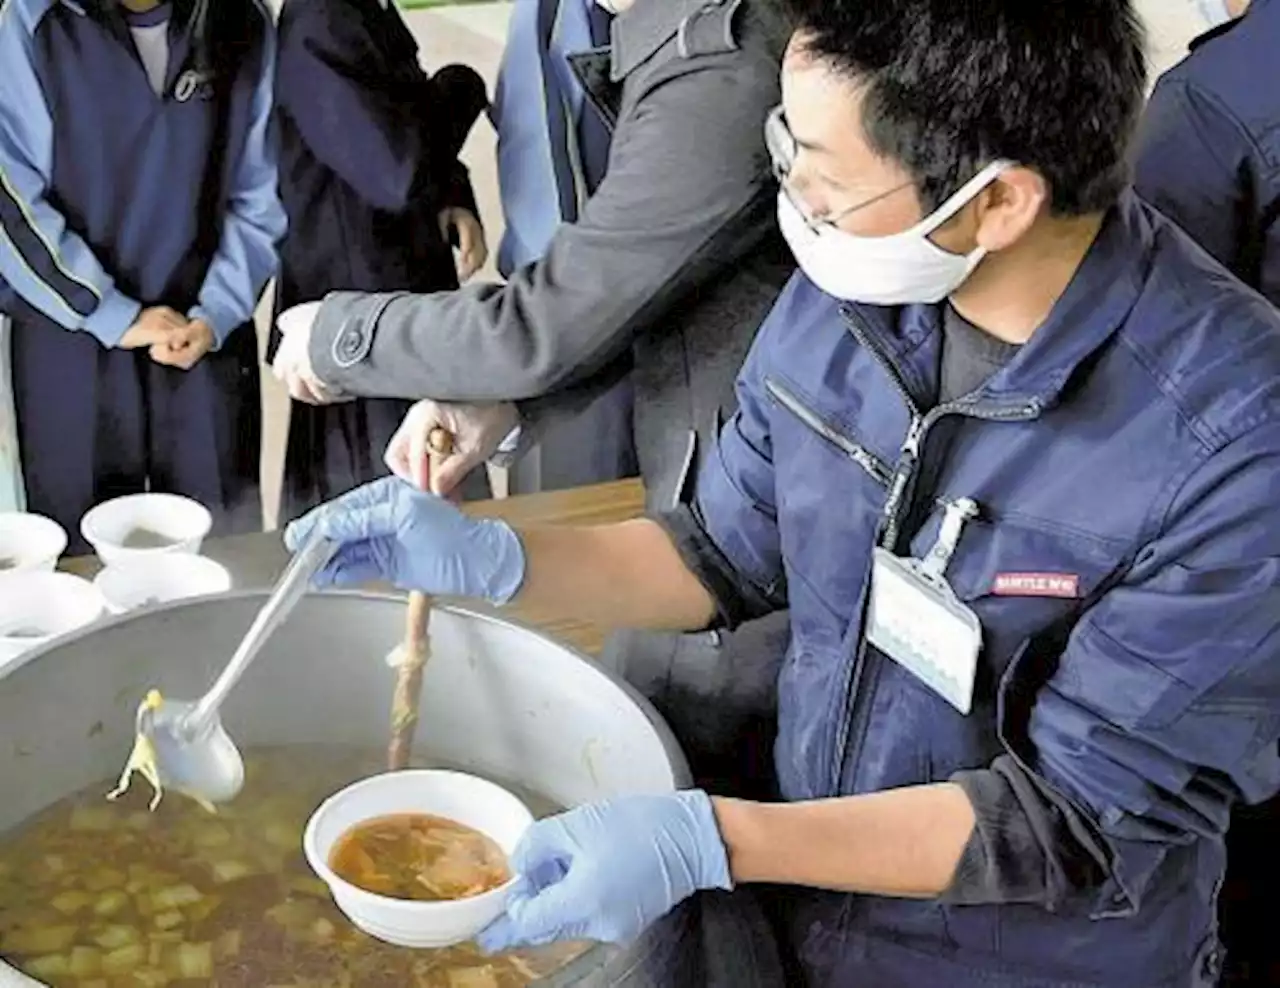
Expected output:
(414, 651)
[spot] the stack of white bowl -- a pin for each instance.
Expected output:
(38, 604)
(138, 575)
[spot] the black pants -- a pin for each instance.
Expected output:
(1250, 896)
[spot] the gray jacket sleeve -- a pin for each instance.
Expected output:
(538, 416)
(682, 200)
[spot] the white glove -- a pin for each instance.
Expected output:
(477, 430)
(292, 366)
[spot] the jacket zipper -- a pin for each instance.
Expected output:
(852, 720)
(872, 464)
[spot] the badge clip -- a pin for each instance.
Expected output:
(956, 514)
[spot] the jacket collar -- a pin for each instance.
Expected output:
(1226, 27)
(697, 26)
(1096, 304)
(639, 32)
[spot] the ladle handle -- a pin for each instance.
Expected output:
(413, 653)
(289, 589)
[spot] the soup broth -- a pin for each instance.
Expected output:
(419, 857)
(107, 895)
(145, 538)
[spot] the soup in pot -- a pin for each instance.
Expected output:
(108, 895)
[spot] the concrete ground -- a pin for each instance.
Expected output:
(474, 34)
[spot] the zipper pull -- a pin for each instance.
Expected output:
(915, 436)
(902, 474)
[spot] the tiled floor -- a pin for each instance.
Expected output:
(474, 34)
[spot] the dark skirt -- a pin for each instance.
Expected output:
(96, 423)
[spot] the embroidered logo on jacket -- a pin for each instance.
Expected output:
(1036, 585)
(193, 84)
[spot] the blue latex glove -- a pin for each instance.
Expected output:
(390, 531)
(605, 872)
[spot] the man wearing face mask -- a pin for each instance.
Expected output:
(1209, 158)
(1008, 448)
(1209, 153)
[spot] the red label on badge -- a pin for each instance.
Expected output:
(1036, 585)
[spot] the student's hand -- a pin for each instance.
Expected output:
(153, 326)
(391, 532)
(606, 871)
(477, 431)
(292, 365)
(185, 346)
(472, 249)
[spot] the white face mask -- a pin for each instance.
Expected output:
(902, 269)
(1214, 12)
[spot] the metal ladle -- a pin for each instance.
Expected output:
(193, 753)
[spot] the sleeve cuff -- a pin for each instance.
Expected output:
(508, 450)
(342, 334)
(222, 324)
(1027, 846)
(112, 318)
(737, 599)
(459, 192)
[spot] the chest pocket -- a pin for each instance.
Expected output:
(829, 509)
(1022, 577)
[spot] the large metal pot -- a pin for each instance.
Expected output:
(499, 699)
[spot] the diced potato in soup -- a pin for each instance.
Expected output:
(106, 895)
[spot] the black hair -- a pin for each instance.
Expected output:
(950, 85)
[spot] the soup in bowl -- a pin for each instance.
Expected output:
(418, 858)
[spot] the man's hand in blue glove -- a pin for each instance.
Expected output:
(607, 871)
(390, 531)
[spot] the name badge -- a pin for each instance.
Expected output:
(915, 618)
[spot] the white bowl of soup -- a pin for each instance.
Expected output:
(418, 858)
(29, 542)
(142, 526)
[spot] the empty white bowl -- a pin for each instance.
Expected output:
(142, 526)
(134, 583)
(29, 542)
(37, 606)
(456, 796)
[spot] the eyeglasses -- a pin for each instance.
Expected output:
(783, 151)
